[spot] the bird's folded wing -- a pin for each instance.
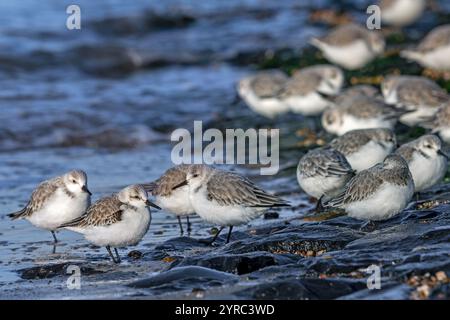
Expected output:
(359, 188)
(104, 212)
(229, 189)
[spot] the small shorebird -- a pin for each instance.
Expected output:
(350, 46)
(427, 162)
(360, 112)
(419, 96)
(439, 123)
(116, 221)
(401, 13)
(307, 90)
(365, 148)
(322, 173)
(174, 201)
(226, 199)
(433, 51)
(260, 92)
(377, 193)
(57, 201)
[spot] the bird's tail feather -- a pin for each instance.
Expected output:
(18, 214)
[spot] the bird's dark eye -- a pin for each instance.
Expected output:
(195, 175)
(428, 146)
(136, 197)
(74, 181)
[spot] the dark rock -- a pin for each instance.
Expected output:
(182, 277)
(135, 254)
(271, 215)
(53, 270)
(294, 289)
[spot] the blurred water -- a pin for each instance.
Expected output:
(106, 98)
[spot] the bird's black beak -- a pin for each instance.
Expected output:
(148, 203)
(184, 183)
(85, 189)
(442, 153)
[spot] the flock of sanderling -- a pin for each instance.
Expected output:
(362, 171)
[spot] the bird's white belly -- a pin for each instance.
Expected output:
(321, 186)
(352, 56)
(213, 213)
(177, 203)
(353, 123)
(386, 202)
(310, 104)
(438, 58)
(129, 231)
(60, 209)
(268, 107)
(427, 172)
(413, 118)
(403, 12)
(444, 133)
(367, 156)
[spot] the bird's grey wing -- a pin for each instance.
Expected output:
(164, 185)
(268, 84)
(38, 198)
(359, 188)
(343, 35)
(301, 83)
(230, 189)
(326, 164)
(437, 38)
(104, 212)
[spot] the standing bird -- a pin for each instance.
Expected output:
(433, 51)
(426, 160)
(419, 96)
(116, 221)
(322, 173)
(350, 46)
(377, 193)
(360, 112)
(401, 13)
(307, 91)
(225, 198)
(57, 201)
(439, 123)
(260, 92)
(175, 201)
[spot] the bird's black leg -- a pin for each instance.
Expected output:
(319, 207)
(229, 234)
(214, 238)
(181, 226)
(54, 237)
(111, 255)
(188, 225)
(117, 255)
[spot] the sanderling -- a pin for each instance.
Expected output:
(419, 96)
(354, 91)
(427, 162)
(225, 198)
(322, 173)
(359, 112)
(116, 221)
(350, 46)
(175, 201)
(433, 51)
(307, 90)
(260, 92)
(57, 201)
(365, 148)
(400, 13)
(439, 123)
(377, 193)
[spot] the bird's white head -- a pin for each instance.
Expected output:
(136, 196)
(430, 145)
(76, 182)
(332, 120)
